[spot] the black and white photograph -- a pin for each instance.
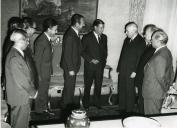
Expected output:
(88, 63)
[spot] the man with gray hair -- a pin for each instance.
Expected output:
(132, 49)
(158, 74)
(147, 54)
(20, 85)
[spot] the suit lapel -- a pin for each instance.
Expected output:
(95, 39)
(49, 42)
(19, 55)
(74, 33)
(156, 54)
(160, 50)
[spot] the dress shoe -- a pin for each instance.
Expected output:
(98, 107)
(49, 112)
(86, 108)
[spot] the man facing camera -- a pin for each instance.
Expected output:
(158, 74)
(71, 58)
(43, 60)
(132, 50)
(19, 82)
(95, 54)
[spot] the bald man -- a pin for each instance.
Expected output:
(158, 74)
(132, 49)
(20, 83)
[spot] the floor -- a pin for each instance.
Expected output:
(106, 112)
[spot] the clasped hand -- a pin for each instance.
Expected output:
(94, 61)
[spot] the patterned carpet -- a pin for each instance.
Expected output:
(93, 113)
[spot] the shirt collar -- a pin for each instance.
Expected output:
(18, 49)
(159, 48)
(48, 37)
(96, 35)
(77, 32)
(134, 37)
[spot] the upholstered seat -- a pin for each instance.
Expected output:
(57, 84)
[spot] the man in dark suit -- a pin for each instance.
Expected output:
(30, 28)
(43, 61)
(148, 53)
(95, 54)
(158, 74)
(71, 58)
(132, 49)
(20, 87)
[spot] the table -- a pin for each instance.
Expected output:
(165, 121)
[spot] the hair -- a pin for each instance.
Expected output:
(152, 27)
(16, 33)
(76, 18)
(161, 36)
(15, 23)
(97, 22)
(130, 23)
(49, 23)
(27, 22)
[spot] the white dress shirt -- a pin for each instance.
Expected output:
(77, 32)
(97, 36)
(48, 37)
(18, 49)
(159, 48)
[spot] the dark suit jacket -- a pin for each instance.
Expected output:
(130, 55)
(158, 75)
(71, 51)
(43, 57)
(30, 58)
(91, 49)
(148, 53)
(19, 81)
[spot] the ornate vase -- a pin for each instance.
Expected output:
(78, 119)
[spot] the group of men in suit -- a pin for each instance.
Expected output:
(146, 64)
(20, 66)
(145, 67)
(93, 48)
(20, 85)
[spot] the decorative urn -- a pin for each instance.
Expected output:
(78, 119)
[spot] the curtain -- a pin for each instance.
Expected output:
(136, 12)
(163, 13)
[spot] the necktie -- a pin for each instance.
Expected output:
(99, 39)
(51, 45)
(130, 41)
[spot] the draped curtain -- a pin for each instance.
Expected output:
(136, 12)
(163, 13)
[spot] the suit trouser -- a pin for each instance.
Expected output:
(91, 75)
(126, 93)
(140, 101)
(69, 88)
(152, 106)
(140, 105)
(41, 102)
(20, 116)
